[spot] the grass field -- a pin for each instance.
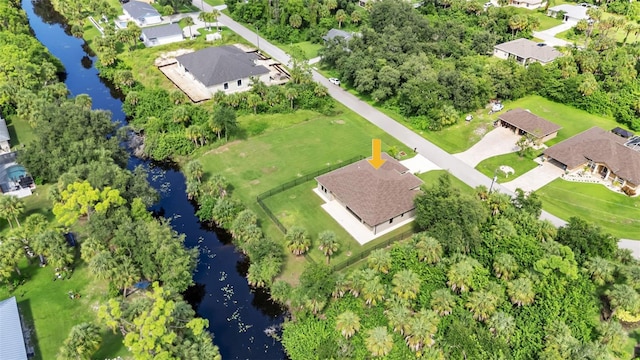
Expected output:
(519, 164)
(546, 22)
(309, 49)
(431, 177)
(50, 312)
(19, 130)
(616, 213)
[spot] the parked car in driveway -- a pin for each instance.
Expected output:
(334, 81)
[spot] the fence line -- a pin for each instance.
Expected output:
(295, 182)
(341, 265)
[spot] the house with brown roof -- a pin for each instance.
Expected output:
(600, 152)
(525, 51)
(523, 122)
(378, 198)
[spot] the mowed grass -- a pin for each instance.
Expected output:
(20, 131)
(546, 22)
(48, 310)
(519, 164)
(616, 213)
(431, 177)
(309, 49)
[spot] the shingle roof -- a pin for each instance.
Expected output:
(4, 131)
(600, 146)
(139, 9)
(217, 65)
(528, 49)
(162, 31)
(335, 33)
(532, 124)
(11, 338)
(374, 195)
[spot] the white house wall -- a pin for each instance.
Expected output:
(500, 54)
(402, 217)
(233, 87)
(162, 40)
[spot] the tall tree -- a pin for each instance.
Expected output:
(348, 323)
(406, 284)
(83, 341)
(378, 341)
(328, 244)
(521, 291)
(11, 207)
(297, 240)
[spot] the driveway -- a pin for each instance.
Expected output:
(439, 157)
(549, 35)
(496, 142)
(535, 178)
(419, 164)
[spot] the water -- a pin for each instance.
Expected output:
(237, 314)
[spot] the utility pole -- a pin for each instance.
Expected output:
(258, 36)
(493, 181)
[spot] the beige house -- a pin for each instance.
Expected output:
(523, 122)
(377, 198)
(601, 152)
(525, 51)
(225, 68)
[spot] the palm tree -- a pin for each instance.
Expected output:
(180, 114)
(428, 248)
(10, 208)
(373, 292)
(443, 301)
(505, 266)
(83, 341)
(378, 341)
(379, 260)
(356, 17)
(291, 94)
(356, 282)
(398, 316)
(295, 20)
(521, 291)
(612, 335)
(213, 16)
(341, 16)
(11, 252)
(348, 323)
(125, 274)
(600, 270)
(482, 304)
(341, 285)
(297, 240)
(422, 327)
(280, 291)
(90, 248)
(253, 100)
(623, 297)
(328, 244)
(406, 284)
(461, 275)
(224, 119)
(102, 265)
(501, 325)
(188, 21)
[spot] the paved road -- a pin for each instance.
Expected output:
(441, 158)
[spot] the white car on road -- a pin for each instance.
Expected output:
(334, 81)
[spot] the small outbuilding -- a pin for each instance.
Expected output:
(161, 35)
(525, 51)
(12, 345)
(378, 198)
(622, 132)
(523, 122)
(141, 13)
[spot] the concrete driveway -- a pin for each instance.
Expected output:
(496, 142)
(535, 178)
(549, 35)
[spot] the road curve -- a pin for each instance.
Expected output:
(441, 158)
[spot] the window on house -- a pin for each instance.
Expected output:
(240, 82)
(226, 86)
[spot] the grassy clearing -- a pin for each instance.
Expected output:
(546, 22)
(214, 2)
(519, 164)
(616, 213)
(431, 177)
(20, 131)
(309, 49)
(50, 312)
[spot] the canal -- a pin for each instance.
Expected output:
(238, 315)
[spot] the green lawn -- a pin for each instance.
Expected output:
(19, 130)
(301, 206)
(519, 164)
(309, 49)
(546, 22)
(48, 310)
(616, 213)
(431, 177)
(214, 2)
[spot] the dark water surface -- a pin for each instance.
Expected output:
(237, 314)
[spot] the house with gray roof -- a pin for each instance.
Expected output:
(161, 35)
(224, 68)
(603, 153)
(523, 122)
(378, 198)
(141, 13)
(570, 13)
(334, 33)
(525, 51)
(527, 4)
(5, 138)
(12, 345)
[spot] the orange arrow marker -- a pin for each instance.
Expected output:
(376, 159)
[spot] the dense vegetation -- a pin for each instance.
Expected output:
(434, 64)
(517, 290)
(76, 150)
